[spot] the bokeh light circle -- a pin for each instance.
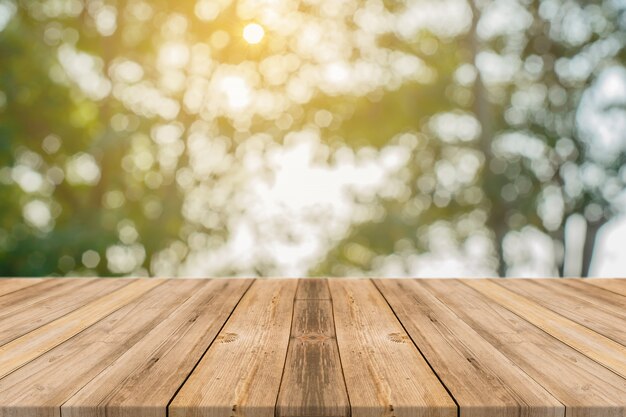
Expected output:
(253, 33)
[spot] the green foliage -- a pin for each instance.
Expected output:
(127, 128)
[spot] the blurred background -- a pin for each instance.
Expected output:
(315, 137)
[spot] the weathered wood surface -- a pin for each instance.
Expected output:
(241, 372)
(459, 354)
(594, 345)
(385, 373)
(312, 348)
(313, 383)
(11, 285)
(582, 385)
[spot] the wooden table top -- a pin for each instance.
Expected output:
(312, 347)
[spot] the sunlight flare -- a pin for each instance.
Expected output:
(253, 33)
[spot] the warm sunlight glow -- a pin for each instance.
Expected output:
(237, 92)
(253, 33)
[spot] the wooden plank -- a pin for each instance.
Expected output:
(286, 345)
(34, 294)
(615, 285)
(31, 345)
(585, 387)
(44, 306)
(556, 297)
(483, 381)
(9, 285)
(384, 372)
(597, 347)
(313, 289)
(241, 372)
(142, 381)
(313, 382)
(42, 386)
(600, 297)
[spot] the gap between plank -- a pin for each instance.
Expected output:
(458, 408)
(60, 317)
(565, 414)
(138, 341)
(332, 311)
(564, 317)
(594, 282)
(42, 280)
(282, 375)
(81, 331)
(586, 283)
(167, 407)
(462, 281)
(544, 331)
(343, 376)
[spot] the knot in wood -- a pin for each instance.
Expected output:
(398, 337)
(227, 337)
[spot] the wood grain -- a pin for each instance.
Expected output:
(313, 289)
(312, 348)
(33, 294)
(142, 381)
(384, 372)
(483, 381)
(618, 286)
(593, 345)
(41, 387)
(312, 383)
(579, 288)
(31, 345)
(583, 386)
(241, 372)
(47, 305)
(566, 301)
(9, 285)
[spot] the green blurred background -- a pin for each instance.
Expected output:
(314, 137)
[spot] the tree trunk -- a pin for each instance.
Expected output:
(496, 220)
(590, 243)
(500, 233)
(560, 248)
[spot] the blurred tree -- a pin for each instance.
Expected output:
(65, 200)
(522, 71)
(133, 133)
